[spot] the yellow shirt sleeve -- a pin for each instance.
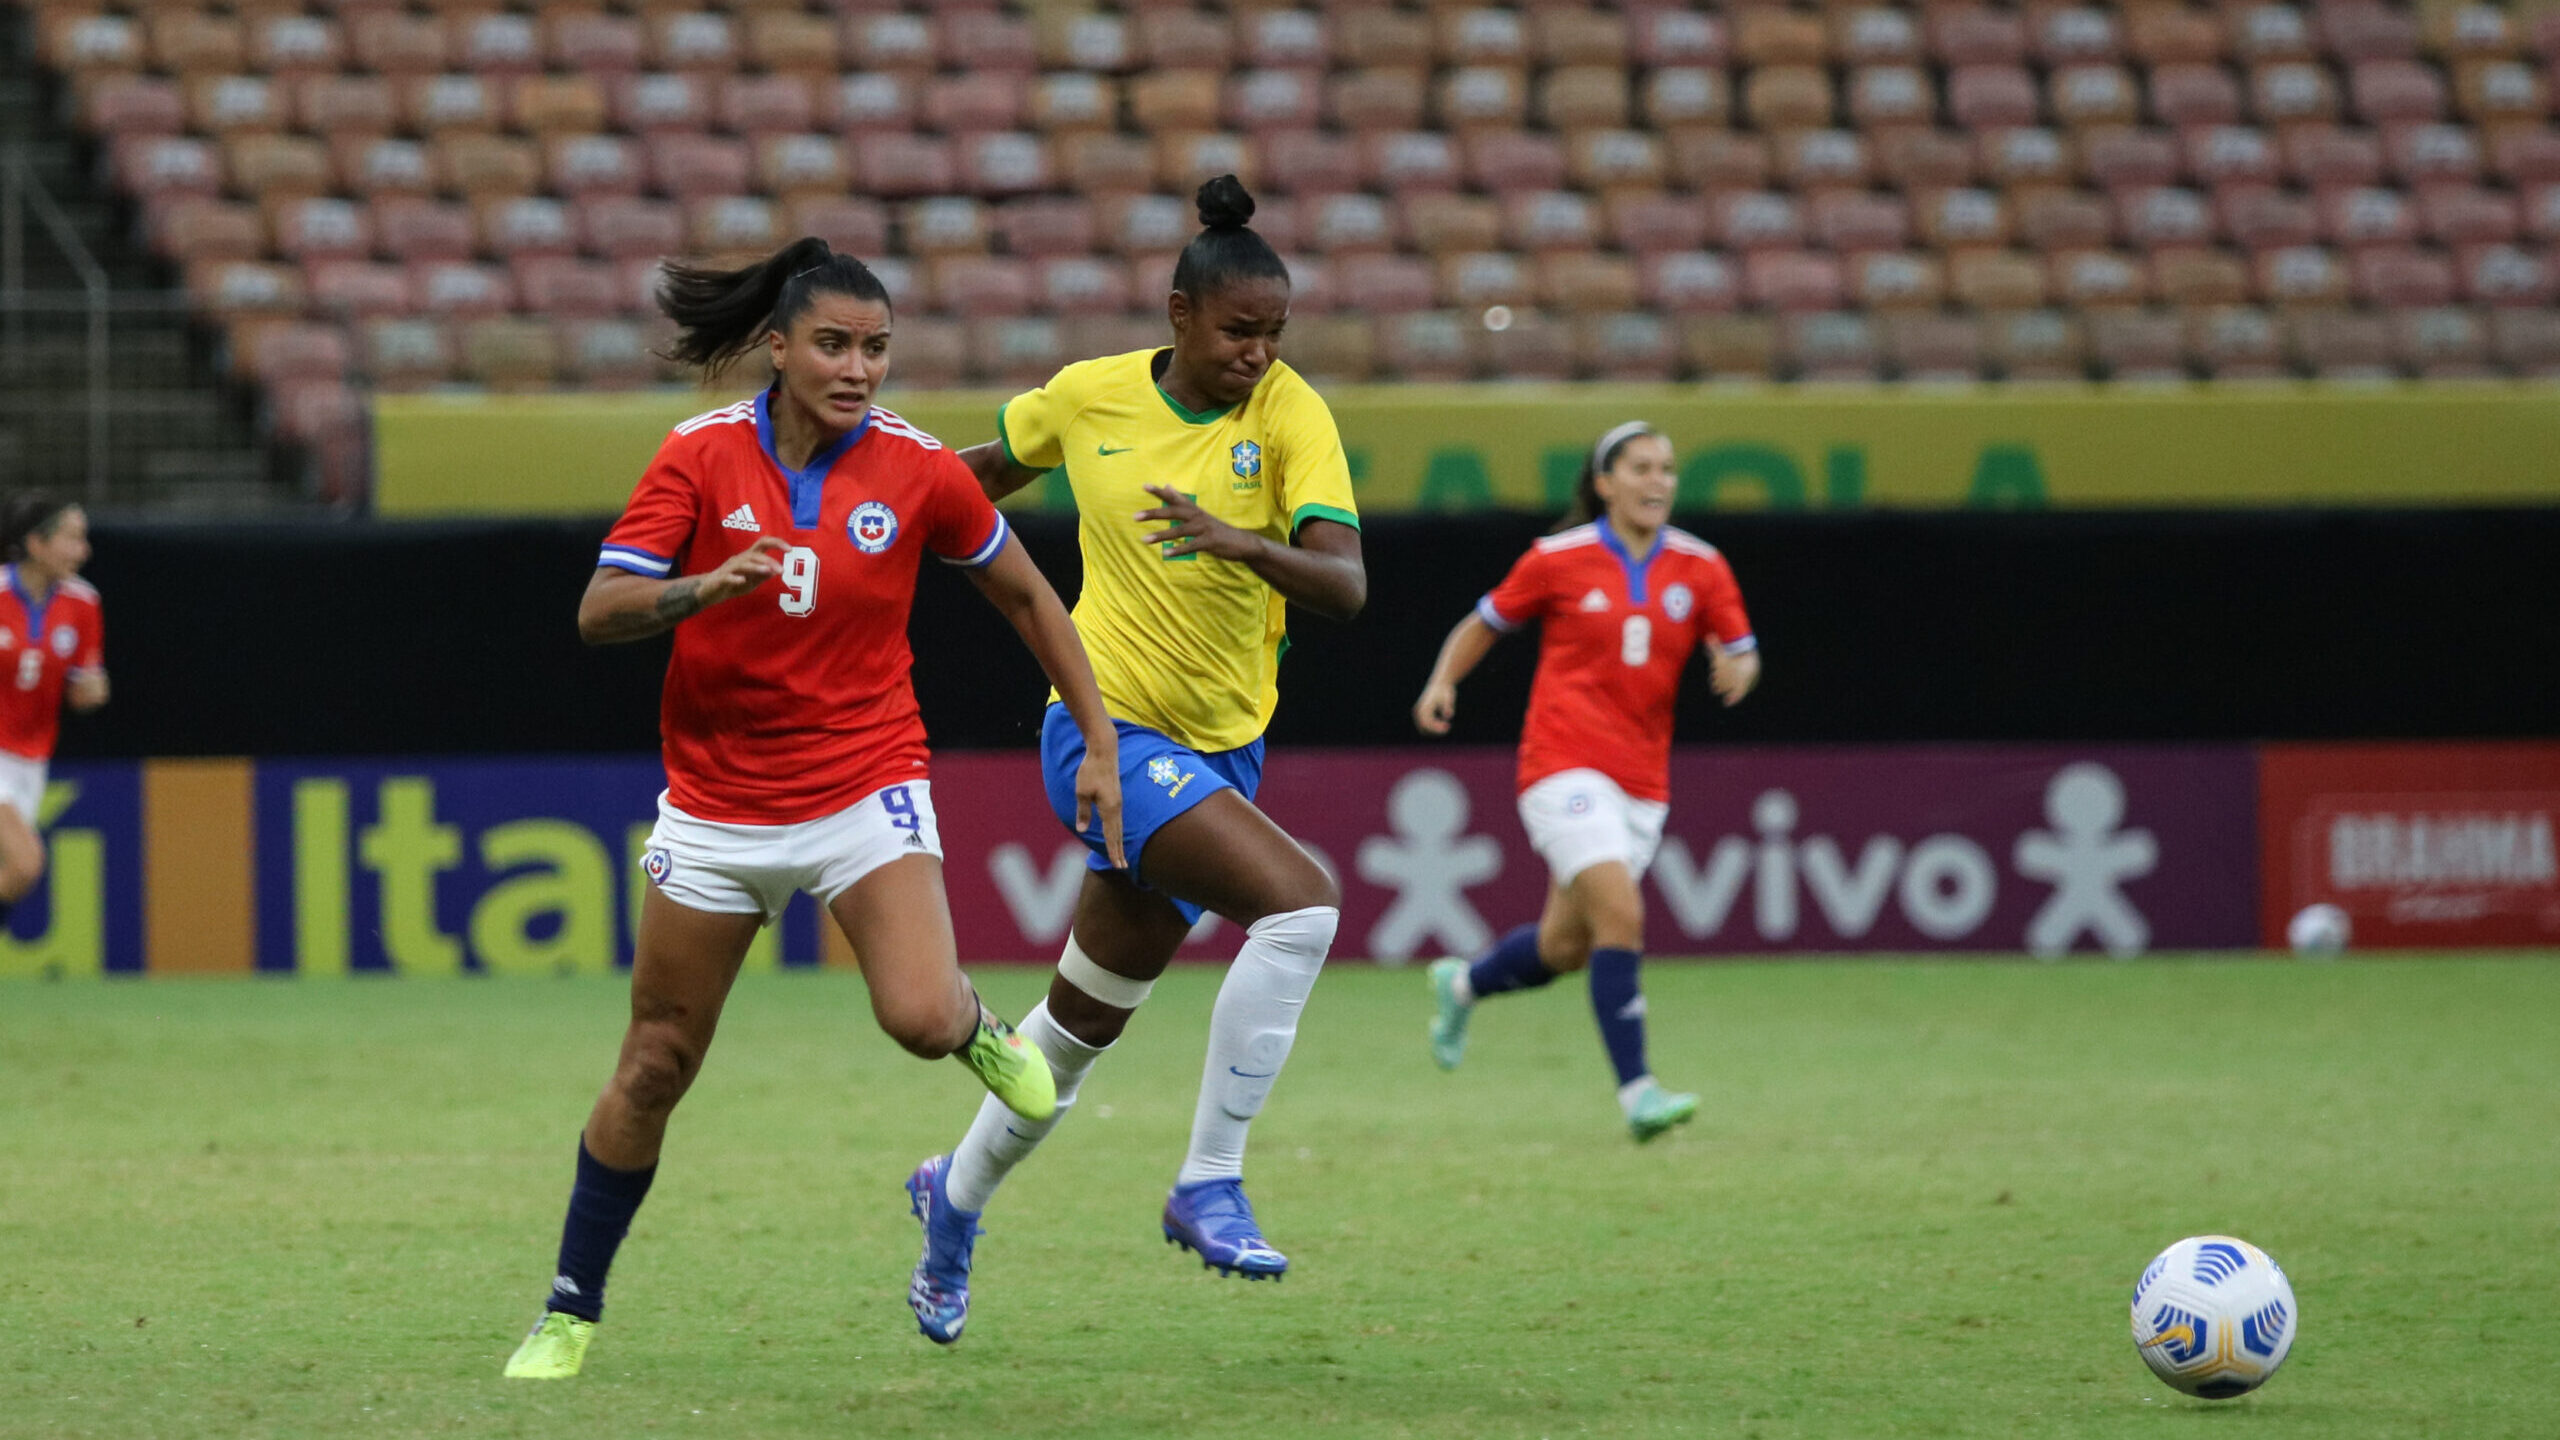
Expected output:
(1315, 478)
(1033, 425)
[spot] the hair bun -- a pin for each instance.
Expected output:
(1224, 204)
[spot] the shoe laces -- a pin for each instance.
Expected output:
(1224, 1200)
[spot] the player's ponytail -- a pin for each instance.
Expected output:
(1587, 506)
(720, 315)
(1226, 249)
(34, 512)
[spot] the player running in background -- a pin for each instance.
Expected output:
(53, 647)
(1214, 495)
(780, 537)
(1622, 599)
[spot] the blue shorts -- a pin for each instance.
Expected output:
(1159, 779)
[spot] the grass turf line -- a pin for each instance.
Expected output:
(1914, 1205)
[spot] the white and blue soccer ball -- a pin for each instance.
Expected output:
(2321, 929)
(2214, 1316)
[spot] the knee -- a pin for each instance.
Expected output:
(924, 1028)
(19, 875)
(1616, 920)
(1306, 886)
(658, 1066)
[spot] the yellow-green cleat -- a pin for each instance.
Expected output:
(1012, 1068)
(555, 1349)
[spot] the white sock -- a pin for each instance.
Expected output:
(1632, 1091)
(998, 1139)
(1463, 988)
(1250, 1032)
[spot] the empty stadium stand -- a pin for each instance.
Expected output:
(367, 193)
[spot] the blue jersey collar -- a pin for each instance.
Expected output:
(1634, 567)
(808, 485)
(35, 607)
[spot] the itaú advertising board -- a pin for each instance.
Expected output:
(530, 865)
(2422, 845)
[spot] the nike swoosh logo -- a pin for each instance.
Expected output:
(1239, 1074)
(1107, 450)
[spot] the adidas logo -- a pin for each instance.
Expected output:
(562, 1284)
(744, 518)
(1594, 602)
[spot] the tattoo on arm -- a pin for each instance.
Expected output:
(680, 599)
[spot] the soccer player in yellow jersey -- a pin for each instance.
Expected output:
(1214, 495)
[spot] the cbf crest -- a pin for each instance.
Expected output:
(873, 527)
(1246, 458)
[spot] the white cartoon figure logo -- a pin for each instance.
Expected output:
(1429, 863)
(2085, 858)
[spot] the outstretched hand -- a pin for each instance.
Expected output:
(1191, 530)
(744, 571)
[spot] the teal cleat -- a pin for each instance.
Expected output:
(1449, 1026)
(1657, 1110)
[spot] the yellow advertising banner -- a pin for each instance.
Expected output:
(1430, 447)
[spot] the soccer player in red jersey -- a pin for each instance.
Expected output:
(1622, 601)
(53, 645)
(779, 537)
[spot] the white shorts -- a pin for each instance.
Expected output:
(1580, 818)
(22, 785)
(755, 869)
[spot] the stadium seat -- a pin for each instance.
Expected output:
(2400, 277)
(2098, 280)
(2496, 92)
(1384, 36)
(1185, 160)
(2119, 159)
(1428, 345)
(336, 105)
(2526, 342)
(1580, 282)
(2088, 96)
(1584, 97)
(1446, 224)
(1261, 100)
(405, 354)
(397, 42)
(898, 167)
(1924, 159)
(564, 286)
(1969, 34)
(1472, 280)
(1406, 162)
(2384, 92)
(322, 228)
(1679, 37)
(2300, 276)
(608, 354)
(2340, 344)
(1887, 97)
(546, 105)
(267, 167)
(1325, 348)
(2219, 155)
(2199, 278)
(2364, 30)
(626, 227)
(2035, 345)
(1605, 161)
(150, 165)
(757, 105)
(1787, 97)
(2542, 212)
(1838, 345)
(1962, 218)
(1685, 96)
(2191, 94)
(1745, 220)
(2440, 342)
(460, 288)
(2456, 216)
(1792, 280)
(2429, 154)
(2320, 155)
(1690, 281)
(1479, 35)
(1996, 280)
(235, 104)
(2064, 220)
(1934, 349)
(2292, 92)
(1713, 160)
(188, 228)
(852, 224)
(2257, 217)
(2161, 216)
(1565, 35)
(1888, 281)
(2236, 342)
(591, 42)
(1545, 220)
(1991, 97)
(1102, 165)
(1384, 284)
(692, 40)
(1396, 99)
(1290, 39)
(119, 104)
(2503, 275)
(1823, 159)
(1626, 345)
(1851, 221)
(370, 166)
(2025, 155)
(2362, 215)
(1472, 97)
(1730, 347)
(510, 353)
(2137, 345)
(972, 286)
(986, 39)
(2160, 35)
(2525, 154)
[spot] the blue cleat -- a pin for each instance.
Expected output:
(1212, 1219)
(939, 1290)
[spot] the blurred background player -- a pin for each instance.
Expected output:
(788, 528)
(53, 644)
(1214, 495)
(1622, 598)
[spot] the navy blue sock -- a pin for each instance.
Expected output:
(1512, 964)
(600, 1209)
(1618, 1005)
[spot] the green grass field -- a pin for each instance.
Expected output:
(1914, 1206)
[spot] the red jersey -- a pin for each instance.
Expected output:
(41, 645)
(792, 701)
(1618, 632)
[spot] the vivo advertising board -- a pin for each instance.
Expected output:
(530, 865)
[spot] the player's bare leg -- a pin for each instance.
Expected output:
(21, 858)
(681, 970)
(898, 920)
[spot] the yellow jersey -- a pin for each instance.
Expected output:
(1187, 645)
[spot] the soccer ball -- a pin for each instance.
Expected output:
(2213, 1316)
(2321, 929)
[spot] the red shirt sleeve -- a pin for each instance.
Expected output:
(966, 529)
(658, 522)
(1721, 605)
(1522, 595)
(92, 654)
